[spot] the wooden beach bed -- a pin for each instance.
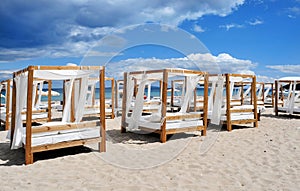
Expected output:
(72, 130)
(163, 122)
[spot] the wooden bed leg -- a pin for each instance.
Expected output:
(203, 132)
(28, 157)
(163, 137)
(123, 129)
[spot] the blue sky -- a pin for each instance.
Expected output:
(255, 36)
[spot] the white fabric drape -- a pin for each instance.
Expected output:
(68, 95)
(191, 84)
(138, 106)
(79, 106)
(21, 96)
(291, 102)
(211, 96)
(129, 94)
(90, 91)
(217, 106)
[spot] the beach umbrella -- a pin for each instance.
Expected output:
(53, 93)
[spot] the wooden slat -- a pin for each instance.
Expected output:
(241, 110)
(244, 121)
(185, 116)
(49, 128)
(63, 145)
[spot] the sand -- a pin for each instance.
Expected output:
(263, 158)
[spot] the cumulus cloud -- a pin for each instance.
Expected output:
(26, 26)
(222, 63)
(198, 28)
(230, 26)
(289, 69)
(255, 22)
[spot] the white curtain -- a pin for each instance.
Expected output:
(79, 106)
(291, 102)
(138, 106)
(129, 93)
(68, 95)
(21, 97)
(191, 84)
(217, 106)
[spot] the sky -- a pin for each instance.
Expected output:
(260, 37)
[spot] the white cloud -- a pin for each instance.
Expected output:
(256, 22)
(230, 26)
(289, 69)
(57, 29)
(223, 63)
(198, 28)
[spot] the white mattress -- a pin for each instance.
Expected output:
(171, 124)
(61, 136)
(284, 109)
(96, 111)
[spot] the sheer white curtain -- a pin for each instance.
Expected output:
(79, 106)
(292, 99)
(21, 96)
(129, 93)
(138, 106)
(191, 84)
(68, 96)
(217, 106)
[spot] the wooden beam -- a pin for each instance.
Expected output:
(49, 100)
(7, 105)
(205, 105)
(13, 110)
(163, 135)
(28, 152)
(102, 146)
(63, 145)
(60, 127)
(228, 99)
(254, 97)
(276, 97)
(124, 100)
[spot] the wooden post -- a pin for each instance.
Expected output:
(102, 110)
(49, 100)
(7, 123)
(254, 98)
(172, 93)
(124, 100)
(163, 133)
(195, 99)
(13, 110)
(72, 117)
(205, 105)
(276, 97)
(112, 98)
(272, 88)
(228, 99)
(28, 153)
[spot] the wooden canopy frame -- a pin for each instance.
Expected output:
(29, 149)
(279, 87)
(229, 109)
(163, 131)
(7, 104)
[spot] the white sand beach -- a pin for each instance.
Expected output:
(263, 158)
